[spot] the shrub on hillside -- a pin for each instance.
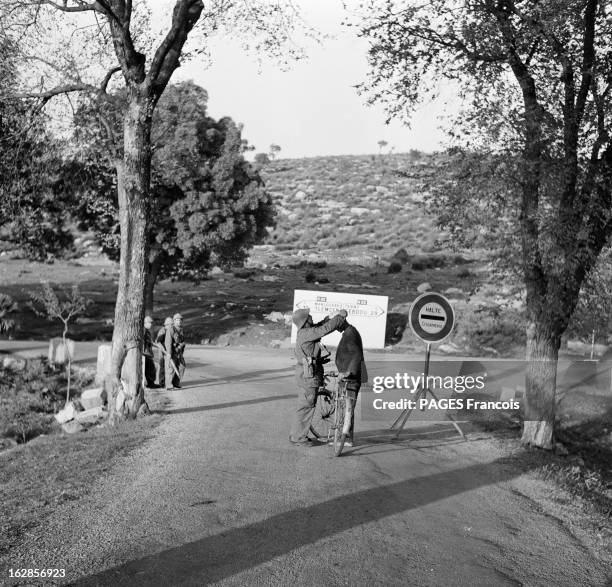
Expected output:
(401, 255)
(428, 261)
(394, 267)
(244, 273)
(348, 241)
(460, 260)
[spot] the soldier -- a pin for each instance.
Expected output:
(175, 347)
(160, 341)
(309, 369)
(351, 368)
(147, 354)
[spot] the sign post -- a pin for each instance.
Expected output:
(431, 319)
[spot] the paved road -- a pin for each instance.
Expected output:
(221, 497)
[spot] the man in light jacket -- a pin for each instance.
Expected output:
(309, 370)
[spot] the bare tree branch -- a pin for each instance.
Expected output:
(81, 7)
(108, 77)
(588, 57)
(166, 59)
(57, 91)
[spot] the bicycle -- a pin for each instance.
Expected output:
(332, 418)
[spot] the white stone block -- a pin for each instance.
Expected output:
(72, 427)
(13, 363)
(103, 366)
(92, 398)
(66, 414)
(58, 353)
(91, 416)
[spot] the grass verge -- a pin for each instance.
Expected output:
(580, 468)
(37, 477)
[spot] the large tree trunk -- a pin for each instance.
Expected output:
(152, 274)
(540, 384)
(126, 392)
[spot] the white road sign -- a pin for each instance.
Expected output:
(431, 317)
(366, 312)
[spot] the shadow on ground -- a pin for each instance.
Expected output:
(226, 554)
(235, 404)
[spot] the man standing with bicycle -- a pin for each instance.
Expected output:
(309, 370)
(352, 370)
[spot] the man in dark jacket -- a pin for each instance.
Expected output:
(309, 370)
(160, 341)
(351, 368)
(147, 354)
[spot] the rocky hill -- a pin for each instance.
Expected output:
(355, 208)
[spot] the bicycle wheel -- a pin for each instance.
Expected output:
(339, 436)
(323, 418)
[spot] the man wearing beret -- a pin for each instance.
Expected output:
(309, 370)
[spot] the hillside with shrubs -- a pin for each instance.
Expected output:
(359, 208)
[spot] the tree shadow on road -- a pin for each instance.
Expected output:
(223, 555)
(235, 404)
(249, 376)
(246, 377)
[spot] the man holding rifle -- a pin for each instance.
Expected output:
(174, 345)
(171, 345)
(160, 341)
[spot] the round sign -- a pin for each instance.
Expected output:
(431, 317)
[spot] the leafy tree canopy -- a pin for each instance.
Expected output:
(208, 205)
(535, 80)
(533, 162)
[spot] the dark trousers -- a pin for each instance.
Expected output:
(149, 370)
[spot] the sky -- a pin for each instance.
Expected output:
(312, 109)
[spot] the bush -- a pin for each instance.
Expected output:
(317, 264)
(7, 307)
(244, 273)
(428, 261)
(310, 277)
(394, 267)
(401, 255)
(30, 397)
(464, 273)
(495, 328)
